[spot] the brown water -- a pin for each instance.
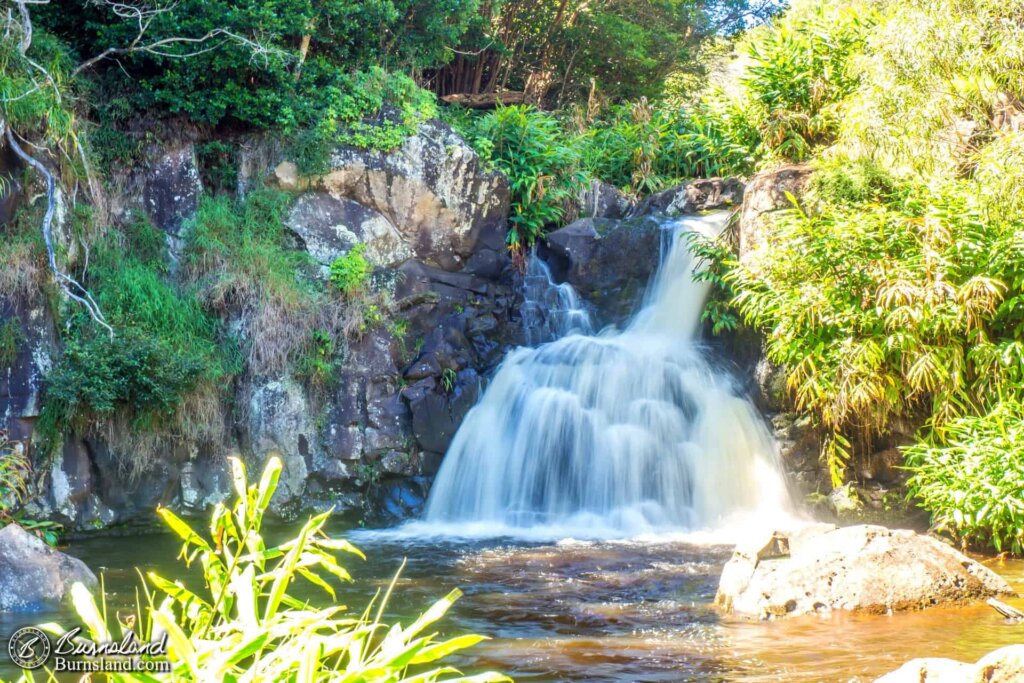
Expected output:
(602, 611)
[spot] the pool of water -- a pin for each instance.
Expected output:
(604, 611)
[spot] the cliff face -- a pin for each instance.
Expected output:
(433, 222)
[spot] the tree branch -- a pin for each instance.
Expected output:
(68, 284)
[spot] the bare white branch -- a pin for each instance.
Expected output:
(68, 284)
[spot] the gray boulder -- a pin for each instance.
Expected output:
(693, 197)
(34, 576)
(766, 194)
(601, 200)
(1005, 665)
(433, 190)
(858, 568)
(329, 226)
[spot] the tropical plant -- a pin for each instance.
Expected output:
(247, 624)
(800, 75)
(971, 477)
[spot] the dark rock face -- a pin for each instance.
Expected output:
(601, 200)
(34, 576)
(172, 190)
(609, 262)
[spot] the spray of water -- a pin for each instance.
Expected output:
(618, 434)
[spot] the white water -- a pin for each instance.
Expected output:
(618, 434)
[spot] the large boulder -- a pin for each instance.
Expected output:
(329, 225)
(34, 576)
(694, 197)
(433, 190)
(598, 199)
(858, 568)
(767, 193)
(1005, 665)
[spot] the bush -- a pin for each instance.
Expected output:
(351, 272)
(971, 478)
(885, 309)
(542, 164)
(246, 622)
(253, 74)
(800, 75)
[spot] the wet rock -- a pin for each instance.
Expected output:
(1005, 665)
(601, 200)
(858, 568)
(34, 576)
(765, 194)
(609, 262)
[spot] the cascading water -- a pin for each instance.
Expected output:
(613, 434)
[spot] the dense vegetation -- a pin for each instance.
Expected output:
(892, 295)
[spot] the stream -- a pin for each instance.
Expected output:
(629, 611)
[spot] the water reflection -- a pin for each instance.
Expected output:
(611, 611)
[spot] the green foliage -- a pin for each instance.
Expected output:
(15, 472)
(800, 75)
(100, 376)
(542, 165)
(895, 296)
(371, 109)
(971, 477)
(11, 338)
(350, 273)
(218, 166)
(252, 71)
(646, 148)
(246, 621)
(241, 263)
(898, 306)
(713, 258)
(318, 363)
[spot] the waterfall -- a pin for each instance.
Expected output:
(618, 433)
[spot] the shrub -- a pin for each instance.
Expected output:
(11, 337)
(246, 623)
(971, 478)
(541, 162)
(351, 272)
(900, 306)
(800, 74)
